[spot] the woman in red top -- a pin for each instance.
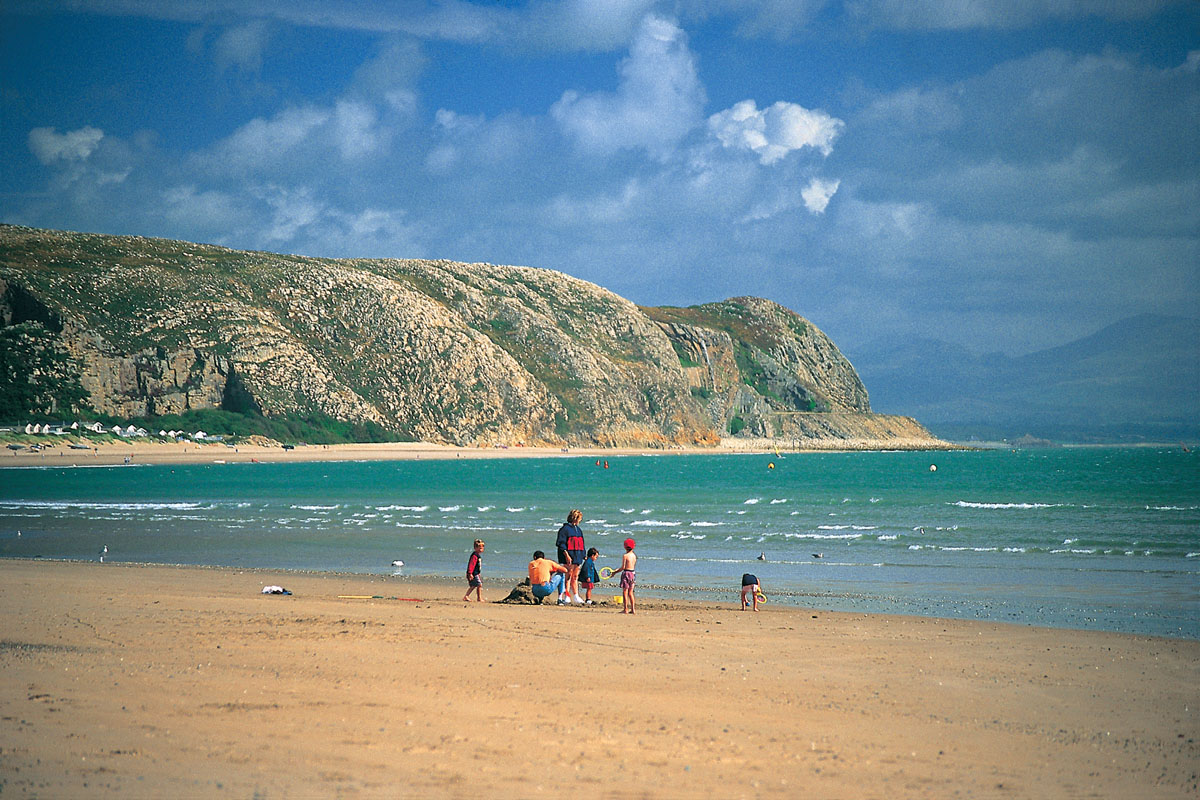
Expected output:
(571, 552)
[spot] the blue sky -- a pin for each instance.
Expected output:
(1002, 174)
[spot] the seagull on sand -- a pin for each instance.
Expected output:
(103, 553)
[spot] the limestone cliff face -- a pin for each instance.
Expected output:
(751, 359)
(431, 350)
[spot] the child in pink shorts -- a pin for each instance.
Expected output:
(628, 575)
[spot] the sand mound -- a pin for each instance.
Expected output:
(522, 593)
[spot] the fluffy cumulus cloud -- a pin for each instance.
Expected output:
(973, 193)
(658, 101)
(49, 146)
(775, 131)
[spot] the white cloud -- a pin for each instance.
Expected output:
(355, 129)
(601, 209)
(775, 19)
(292, 209)
(818, 194)
(50, 146)
(208, 210)
(565, 25)
(264, 142)
(241, 46)
(775, 131)
(659, 98)
(1004, 14)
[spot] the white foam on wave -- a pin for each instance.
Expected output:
(847, 527)
(682, 535)
(1015, 550)
(65, 504)
(449, 508)
(316, 508)
(626, 510)
(655, 523)
(595, 522)
(401, 508)
(514, 509)
(753, 501)
(1001, 506)
(1189, 555)
(484, 508)
(814, 535)
(887, 537)
(778, 501)
(703, 524)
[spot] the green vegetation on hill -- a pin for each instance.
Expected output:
(730, 316)
(313, 428)
(38, 380)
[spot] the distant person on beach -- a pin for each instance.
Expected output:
(474, 568)
(546, 577)
(628, 575)
(588, 576)
(570, 552)
(751, 587)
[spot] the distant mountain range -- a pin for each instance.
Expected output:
(1136, 380)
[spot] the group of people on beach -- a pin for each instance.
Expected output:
(576, 566)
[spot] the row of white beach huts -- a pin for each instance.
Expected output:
(127, 432)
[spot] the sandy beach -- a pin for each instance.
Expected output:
(154, 681)
(107, 451)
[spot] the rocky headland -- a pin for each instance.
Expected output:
(436, 351)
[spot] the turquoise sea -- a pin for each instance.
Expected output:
(1105, 538)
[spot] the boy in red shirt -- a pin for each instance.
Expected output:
(474, 567)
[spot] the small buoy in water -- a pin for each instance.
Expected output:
(397, 563)
(933, 467)
(771, 465)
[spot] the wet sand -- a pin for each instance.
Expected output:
(154, 681)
